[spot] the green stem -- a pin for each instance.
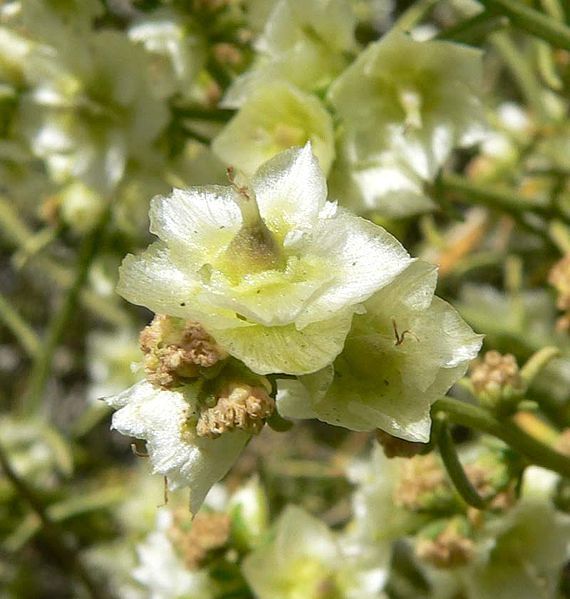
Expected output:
(522, 71)
(214, 115)
(192, 133)
(66, 557)
(414, 15)
(475, 29)
(534, 451)
(17, 234)
(532, 21)
(554, 9)
(19, 327)
(455, 469)
(60, 321)
(503, 201)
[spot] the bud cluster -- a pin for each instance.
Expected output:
(559, 278)
(497, 380)
(195, 539)
(239, 406)
(176, 350)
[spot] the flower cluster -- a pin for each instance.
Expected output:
(271, 278)
(248, 240)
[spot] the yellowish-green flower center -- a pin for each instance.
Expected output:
(286, 136)
(254, 248)
(411, 102)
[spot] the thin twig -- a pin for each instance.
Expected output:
(57, 326)
(61, 552)
(19, 327)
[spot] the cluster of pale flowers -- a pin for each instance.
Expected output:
(386, 123)
(398, 506)
(269, 297)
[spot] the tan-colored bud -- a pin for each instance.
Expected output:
(239, 406)
(175, 350)
(497, 380)
(423, 484)
(563, 442)
(449, 549)
(195, 539)
(394, 447)
(483, 481)
(559, 278)
(227, 54)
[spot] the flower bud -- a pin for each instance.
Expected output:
(239, 406)
(176, 350)
(559, 278)
(450, 547)
(423, 486)
(497, 381)
(196, 539)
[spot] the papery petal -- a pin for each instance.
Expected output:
(264, 127)
(285, 349)
(294, 398)
(199, 222)
(363, 257)
(152, 279)
(159, 417)
(291, 190)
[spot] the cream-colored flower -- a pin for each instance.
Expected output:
(420, 109)
(404, 352)
(276, 117)
(273, 271)
(166, 420)
(304, 42)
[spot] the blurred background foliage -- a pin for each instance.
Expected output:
(104, 104)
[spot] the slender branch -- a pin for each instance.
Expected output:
(56, 328)
(532, 21)
(65, 556)
(522, 210)
(508, 431)
(214, 115)
(414, 14)
(192, 133)
(523, 73)
(475, 29)
(455, 469)
(17, 233)
(19, 327)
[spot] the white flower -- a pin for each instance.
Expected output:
(304, 42)
(110, 362)
(91, 110)
(407, 350)
(306, 560)
(418, 109)
(163, 574)
(385, 186)
(377, 518)
(520, 556)
(166, 421)
(274, 272)
(276, 117)
(178, 52)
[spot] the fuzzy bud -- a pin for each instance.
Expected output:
(176, 350)
(450, 548)
(497, 381)
(239, 406)
(559, 278)
(423, 485)
(195, 539)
